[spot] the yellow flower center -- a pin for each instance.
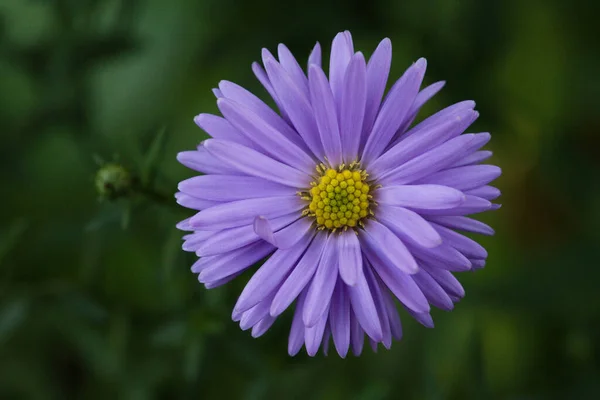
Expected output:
(340, 198)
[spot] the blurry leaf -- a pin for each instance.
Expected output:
(508, 350)
(11, 316)
(171, 252)
(192, 356)
(28, 22)
(202, 322)
(84, 307)
(98, 160)
(373, 391)
(579, 346)
(149, 168)
(117, 340)
(91, 345)
(109, 213)
(91, 51)
(126, 217)
(169, 335)
(449, 348)
(117, 212)
(257, 390)
(10, 238)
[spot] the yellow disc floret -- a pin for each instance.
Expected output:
(339, 199)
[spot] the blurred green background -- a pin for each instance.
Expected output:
(91, 310)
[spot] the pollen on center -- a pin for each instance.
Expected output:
(339, 198)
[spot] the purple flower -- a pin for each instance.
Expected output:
(350, 205)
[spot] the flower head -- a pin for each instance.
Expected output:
(350, 205)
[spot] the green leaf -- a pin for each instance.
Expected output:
(192, 357)
(12, 236)
(11, 316)
(110, 213)
(150, 161)
(126, 217)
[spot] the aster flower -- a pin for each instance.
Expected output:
(350, 206)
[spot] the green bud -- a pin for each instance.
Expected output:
(113, 181)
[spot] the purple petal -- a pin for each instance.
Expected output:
(275, 144)
(364, 308)
(300, 275)
(234, 238)
(474, 158)
(465, 178)
(378, 70)
(252, 316)
(261, 75)
(389, 247)
(253, 163)
(425, 138)
(326, 337)
(339, 319)
(477, 264)
(235, 261)
(462, 223)
(352, 109)
(465, 245)
(244, 97)
(325, 114)
(315, 56)
(202, 263)
(433, 291)
(463, 110)
(399, 283)
(228, 239)
(184, 225)
(471, 205)
(193, 243)
(220, 128)
(296, 104)
(218, 94)
(392, 312)
(373, 345)
(286, 237)
(202, 161)
(296, 338)
(289, 63)
(323, 283)
(220, 282)
(342, 50)
(375, 288)
(422, 196)
(485, 192)
(313, 335)
(262, 326)
(270, 275)
(455, 299)
(195, 240)
(224, 188)
(408, 225)
(350, 257)
(446, 280)
(435, 159)
(357, 335)
(443, 256)
(422, 318)
(243, 212)
(423, 97)
(194, 203)
(393, 111)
